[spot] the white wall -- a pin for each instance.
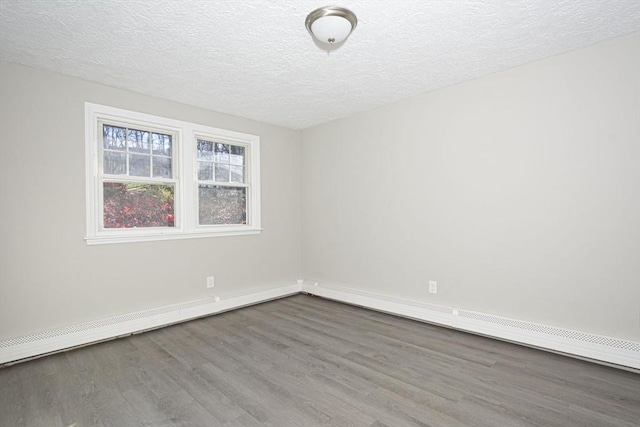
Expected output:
(50, 278)
(518, 192)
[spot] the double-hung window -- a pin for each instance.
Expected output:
(222, 190)
(138, 176)
(153, 178)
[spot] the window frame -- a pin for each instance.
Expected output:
(184, 168)
(102, 178)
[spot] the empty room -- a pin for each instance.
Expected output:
(376, 213)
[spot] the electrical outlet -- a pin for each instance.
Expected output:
(210, 282)
(433, 287)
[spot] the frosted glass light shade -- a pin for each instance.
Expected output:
(331, 25)
(331, 29)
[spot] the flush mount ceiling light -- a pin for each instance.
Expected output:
(331, 25)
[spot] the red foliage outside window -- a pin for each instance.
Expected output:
(138, 205)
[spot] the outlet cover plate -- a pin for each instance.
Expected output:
(433, 287)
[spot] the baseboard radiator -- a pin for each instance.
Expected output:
(33, 345)
(576, 343)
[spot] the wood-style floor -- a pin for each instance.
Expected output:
(305, 361)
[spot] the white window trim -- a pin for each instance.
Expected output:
(184, 155)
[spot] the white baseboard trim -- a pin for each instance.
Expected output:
(577, 343)
(581, 344)
(33, 345)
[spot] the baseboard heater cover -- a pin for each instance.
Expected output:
(37, 344)
(582, 344)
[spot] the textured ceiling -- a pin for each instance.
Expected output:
(255, 59)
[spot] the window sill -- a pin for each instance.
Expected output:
(105, 240)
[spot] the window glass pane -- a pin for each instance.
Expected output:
(237, 155)
(221, 153)
(161, 144)
(237, 174)
(222, 172)
(205, 150)
(222, 205)
(139, 165)
(113, 138)
(114, 163)
(162, 167)
(138, 140)
(138, 205)
(205, 171)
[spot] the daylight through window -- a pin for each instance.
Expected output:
(152, 178)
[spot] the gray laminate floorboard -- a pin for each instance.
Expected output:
(304, 361)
